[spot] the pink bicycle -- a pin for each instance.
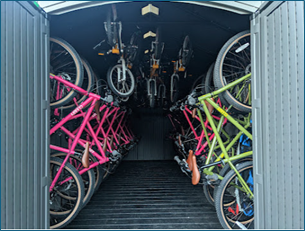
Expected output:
(67, 194)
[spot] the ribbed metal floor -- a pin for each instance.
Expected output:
(147, 195)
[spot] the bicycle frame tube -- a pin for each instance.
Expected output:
(71, 115)
(217, 137)
(113, 132)
(230, 85)
(223, 149)
(71, 85)
(76, 138)
(190, 124)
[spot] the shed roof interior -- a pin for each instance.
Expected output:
(208, 28)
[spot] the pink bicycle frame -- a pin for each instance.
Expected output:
(92, 98)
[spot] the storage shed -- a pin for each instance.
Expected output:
(277, 63)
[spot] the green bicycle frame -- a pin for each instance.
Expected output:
(216, 130)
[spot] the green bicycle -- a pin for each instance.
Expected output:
(234, 195)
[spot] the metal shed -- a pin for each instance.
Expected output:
(278, 105)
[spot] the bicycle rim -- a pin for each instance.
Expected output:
(234, 62)
(152, 96)
(187, 51)
(120, 88)
(174, 93)
(64, 62)
(65, 209)
(87, 177)
(239, 213)
(88, 84)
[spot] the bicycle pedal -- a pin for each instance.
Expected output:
(213, 177)
(215, 183)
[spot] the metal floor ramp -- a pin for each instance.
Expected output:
(147, 195)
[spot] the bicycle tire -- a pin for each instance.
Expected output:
(108, 28)
(174, 90)
(198, 85)
(109, 168)
(152, 96)
(75, 67)
(225, 220)
(99, 173)
(187, 51)
(133, 47)
(208, 191)
(210, 87)
(227, 168)
(158, 45)
(88, 177)
(208, 81)
(77, 180)
(99, 88)
(221, 80)
(98, 170)
(88, 85)
(112, 77)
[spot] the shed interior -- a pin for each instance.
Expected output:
(149, 191)
(208, 28)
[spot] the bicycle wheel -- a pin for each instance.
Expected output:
(122, 88)
(211, 190)
(98, 170)
(174, 90)
(197, 86)
(208, 191)
(111, 39)
(64, 62)
(208, 81)
(132, 49)
(63, 210)
(100, 86)
(109, 168)
(158, 44)
(232, 63)
(88, 177)
(187, 51)
(239, 213)
(88, 85)
(151, 97)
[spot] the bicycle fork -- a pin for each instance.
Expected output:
(122, 76)
(149, 93)
(161, 91)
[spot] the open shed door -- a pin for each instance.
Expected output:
(24, 116)
(278, 115)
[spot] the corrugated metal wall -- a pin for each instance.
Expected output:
(278, 115)
(24, 117)
(153, 126)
